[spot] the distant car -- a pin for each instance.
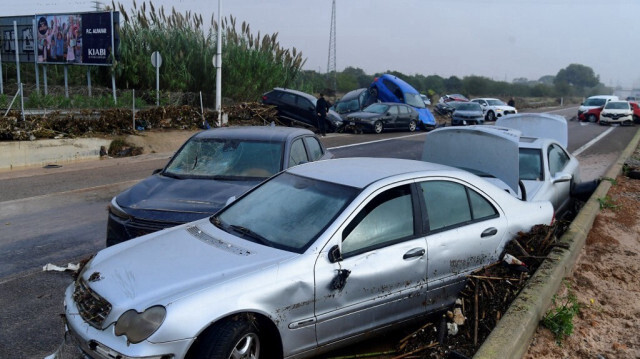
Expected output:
(426, 100)
(595, 101)
(389, 88)
(619, 112)
(447, 108)
(353, 101)
(526, 152)
(453, 97)
(211, 168)
(317, 257)
(494, 108)
(299, 108)
(467, 113)
(384, 116)
(591, 115)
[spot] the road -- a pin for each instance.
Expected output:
(58, 215)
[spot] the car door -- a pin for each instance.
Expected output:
(287, 105)
(404, 116)
(558, 161)
(465, 231)
(306, 111)
(385, 258)
(392, 115)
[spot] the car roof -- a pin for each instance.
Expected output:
(353, 94)
(360, 172)
(271, 133)
(604, 96)
(300, 93)
(485, 98)
(403, 85)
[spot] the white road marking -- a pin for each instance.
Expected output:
(383, 140)
(591, 143)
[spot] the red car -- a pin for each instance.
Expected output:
(592, 115)
(636, 111)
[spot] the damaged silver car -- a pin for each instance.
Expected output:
(318, 256)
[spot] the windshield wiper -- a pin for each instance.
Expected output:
(217, 222)
(170, 174)
(247, 232)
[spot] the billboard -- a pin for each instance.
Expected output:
(75, 39)
(26, 45)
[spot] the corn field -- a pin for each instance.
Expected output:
(252, 64)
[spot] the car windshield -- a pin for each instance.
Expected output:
(288, 212)
(530, 164)
(468, 106)
(347, 106)
(496, 103)
(617, 106)
(226, 158)
(595, 102)
(376, 108)
(413, 99)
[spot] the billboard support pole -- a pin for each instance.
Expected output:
(219, 66)
(15, 40)
(113, 60)
(66, 82)
(35, 56)
(89, 80)
(22, 101)
(44, 77)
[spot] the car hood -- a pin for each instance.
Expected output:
(164, 266)
(180, 199)
(478, 148)
(504, 108)
(541, 125)
(363, 115)
(468, 113)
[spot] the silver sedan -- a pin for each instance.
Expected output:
(316, 257)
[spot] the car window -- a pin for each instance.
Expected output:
(403, 110)
(289, 99)
(393, 88)
(530, 160)
(451, 204)
(305, 104)
(298, 153)
(558, 159)
(315, 149)
(388, 218)
(393, 110)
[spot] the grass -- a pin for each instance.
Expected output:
(560, 319)
(607, 203)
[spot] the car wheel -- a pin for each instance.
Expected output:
(592, 118)
(491, 116)
(412, 125)
(234, 338)
(377, 127)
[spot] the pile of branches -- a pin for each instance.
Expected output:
(118, 121)
(486, 297)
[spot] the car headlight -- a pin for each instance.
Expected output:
(139, 326)
(116, 210)
(499, 110)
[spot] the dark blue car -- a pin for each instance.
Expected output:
(210, 169)
(389, 88)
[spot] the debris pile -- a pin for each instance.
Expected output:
(487, 295)
(119, 121)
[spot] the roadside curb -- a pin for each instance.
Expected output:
(511, 336)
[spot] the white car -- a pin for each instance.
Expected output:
(318, 256)
(494, 108)
(527, 148)
(595, 102)
(617, 112)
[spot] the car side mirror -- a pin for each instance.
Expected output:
(334, 254)
(156, 171)
(562, 177)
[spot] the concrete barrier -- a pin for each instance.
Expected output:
(511, 337)
(28, 153)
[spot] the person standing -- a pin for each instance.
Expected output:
(511, 102)
(322, 106)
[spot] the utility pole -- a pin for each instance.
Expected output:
(331, 62)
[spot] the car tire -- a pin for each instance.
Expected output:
(412, 125)
(592, 118)
(378, 127)
(491, 116)
(233, 338)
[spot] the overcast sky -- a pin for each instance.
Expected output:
(499, 39)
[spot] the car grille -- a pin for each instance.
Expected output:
(614, 116)
(509, 112)
(92, 308)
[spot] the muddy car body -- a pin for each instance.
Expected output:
(318, 256)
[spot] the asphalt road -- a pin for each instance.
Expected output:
(58, 216)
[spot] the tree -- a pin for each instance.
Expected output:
(577, 75)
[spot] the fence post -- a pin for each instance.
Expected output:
(133, 109)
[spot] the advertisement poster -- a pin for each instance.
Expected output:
(26, 46)
(74, 38)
